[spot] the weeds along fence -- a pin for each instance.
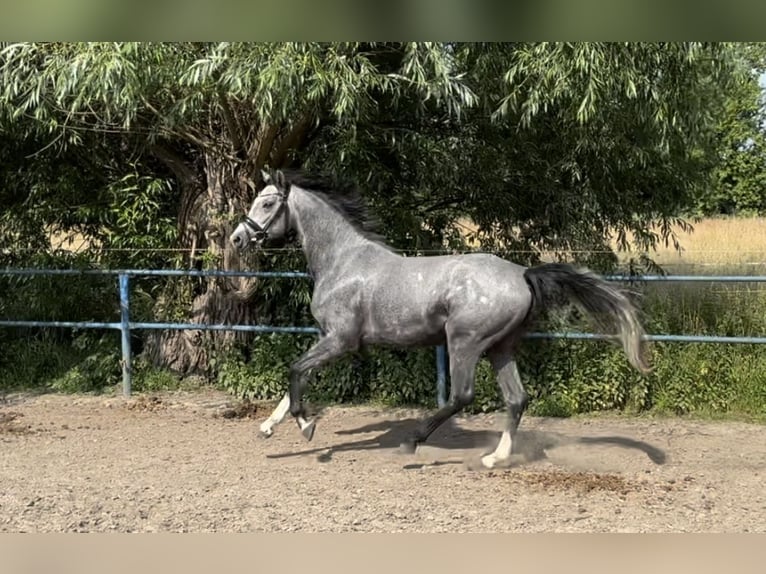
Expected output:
(125, 325)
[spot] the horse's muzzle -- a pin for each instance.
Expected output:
(241, 240)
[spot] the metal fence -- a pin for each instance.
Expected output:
(125, 325)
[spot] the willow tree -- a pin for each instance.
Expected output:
(587, 144)
(543, 145)
(213, 115)
(568, 146)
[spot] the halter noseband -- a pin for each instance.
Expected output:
(261, 232)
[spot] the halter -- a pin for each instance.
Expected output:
(261, 232)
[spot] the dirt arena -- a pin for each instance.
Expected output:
(194, 462)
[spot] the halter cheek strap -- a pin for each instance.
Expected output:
(261, 232)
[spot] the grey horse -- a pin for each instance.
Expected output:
(367, 294)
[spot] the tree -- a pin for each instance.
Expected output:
(587, 142)
(568, 147)
(210, 116)
(739, 186)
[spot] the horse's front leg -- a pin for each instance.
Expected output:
(267, 426)
(327, 349)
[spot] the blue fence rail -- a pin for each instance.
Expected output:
(125, 325)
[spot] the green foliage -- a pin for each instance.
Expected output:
(391, 377)
(487, 396)
(138, 222)
(32, 362)
(593, 140)
(88, 363)
(58, 359)
(147, 378)
(347, 380)
(401, 378)
(542, 144)
(283, 301)
(95, 371)
(740, 177)
(264, 375)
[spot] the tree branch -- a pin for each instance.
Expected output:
(292, 139)
(180, 168)
(264, 145)
(188, 179)
(187, 134)
(448, 202)
(231, 123)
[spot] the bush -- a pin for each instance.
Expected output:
(262, 375)
(147, 378)
(390, 376)
(89, 362)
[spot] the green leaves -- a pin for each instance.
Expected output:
(544, 144)
(587, 140)
(137, 220)
(740, 177)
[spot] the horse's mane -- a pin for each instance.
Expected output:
(342, 195)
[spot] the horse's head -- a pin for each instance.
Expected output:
(268, 218)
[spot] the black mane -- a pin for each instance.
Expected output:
(341, 194)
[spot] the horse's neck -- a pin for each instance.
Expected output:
(326, 236)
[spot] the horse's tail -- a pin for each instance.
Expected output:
(553, 284)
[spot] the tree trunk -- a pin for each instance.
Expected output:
(214, 199)
(208, 215)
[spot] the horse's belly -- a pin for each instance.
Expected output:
(400, 330)
(405, 339)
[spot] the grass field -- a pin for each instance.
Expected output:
(714, 245)
(717, 245)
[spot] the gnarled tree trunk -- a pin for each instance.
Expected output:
(215, 193)
(211, 206)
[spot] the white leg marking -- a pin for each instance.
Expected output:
(502, 451)
(277, 416)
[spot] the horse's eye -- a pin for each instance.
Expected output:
(269, 204)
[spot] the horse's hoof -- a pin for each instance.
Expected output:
(488, 461)
(266, 431)
(408, 447)
(491, 461)
(308, 429)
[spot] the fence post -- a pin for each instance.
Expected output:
(441, 375)
(125, 332)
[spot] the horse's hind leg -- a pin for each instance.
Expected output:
(501, 356)
(463, 359)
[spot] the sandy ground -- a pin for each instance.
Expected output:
(187, 462)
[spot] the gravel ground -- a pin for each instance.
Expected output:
(194, 462)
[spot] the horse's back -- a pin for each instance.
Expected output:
(409, 297)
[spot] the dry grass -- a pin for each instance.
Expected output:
(716, 243)
(74, 242)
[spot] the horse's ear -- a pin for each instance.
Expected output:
(265, 176)
(281, 180)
